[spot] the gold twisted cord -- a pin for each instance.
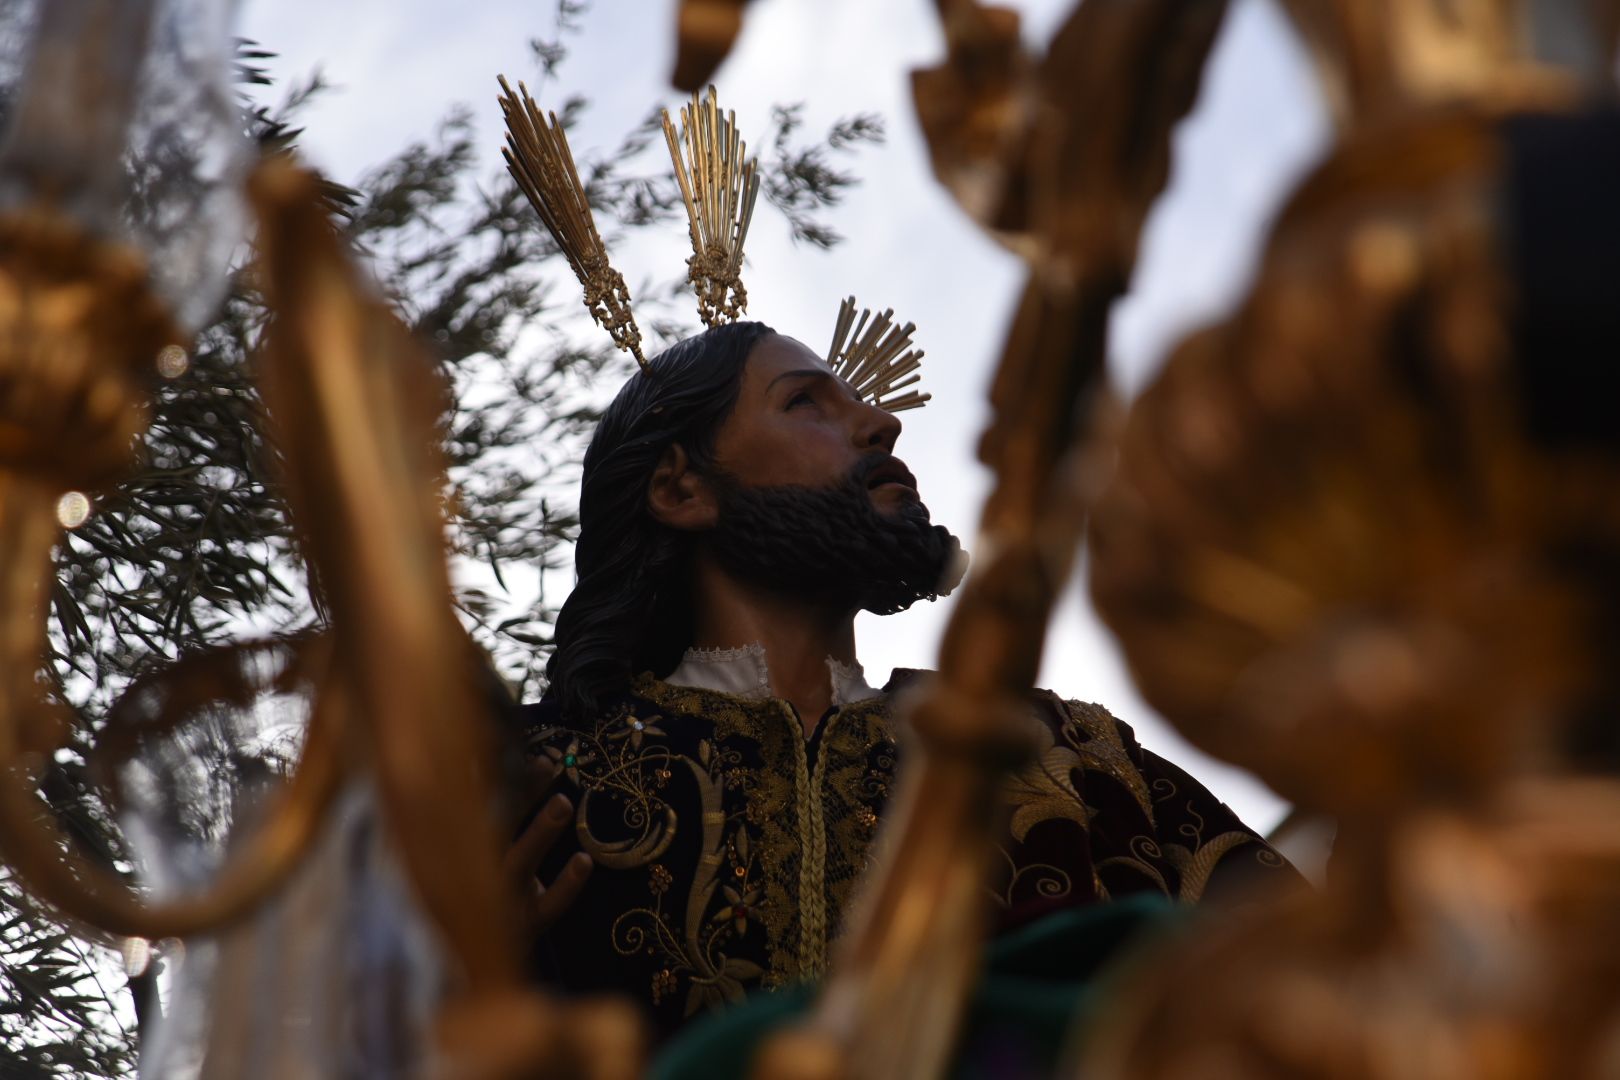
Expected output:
(719, 184)
(875, 357)
(538, 157)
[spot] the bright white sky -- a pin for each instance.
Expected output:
(399, 65)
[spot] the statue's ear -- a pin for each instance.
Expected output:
(678, 496)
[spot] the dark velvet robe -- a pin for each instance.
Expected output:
(727, 845)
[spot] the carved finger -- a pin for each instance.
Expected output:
(550, 903)
(523, 858)
(541, 776)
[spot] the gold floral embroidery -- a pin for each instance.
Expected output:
(623, 768)
(571, 759)
(1046, 881)
(855, 766)
(1143, 853)
(607, 762)
(695, 950)
(813, 836)
(636, 729)
(1093, 733)
(774, 803)
(781, 845)
(1195, 865)
(642, 808)
(1195, 861)
(1072, 738)
(1044, 788)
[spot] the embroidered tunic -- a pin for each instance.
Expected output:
(727, 844)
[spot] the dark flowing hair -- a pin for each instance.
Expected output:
(630, 610)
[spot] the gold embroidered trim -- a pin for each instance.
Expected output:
(812, 893)
(630, 766)
(779, 852)
(859, 762)
(739, 715)
(813, 923)
(798, 906)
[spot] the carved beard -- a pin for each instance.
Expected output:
(834, 543)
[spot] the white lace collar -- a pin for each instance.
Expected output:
(743, 673)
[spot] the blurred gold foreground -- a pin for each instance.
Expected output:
(1326, 538)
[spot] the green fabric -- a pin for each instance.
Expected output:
(1037, 982)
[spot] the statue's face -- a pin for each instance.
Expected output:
(796, 424)
(804, 495)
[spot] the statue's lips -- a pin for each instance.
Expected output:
(892, 472)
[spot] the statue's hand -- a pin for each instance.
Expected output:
(543, 904)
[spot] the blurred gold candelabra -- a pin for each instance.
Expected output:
(353, 397)
(1317, 571)
(1366, 620)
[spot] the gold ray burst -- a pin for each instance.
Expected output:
(538, 157)
(875, 357)
(719, 184)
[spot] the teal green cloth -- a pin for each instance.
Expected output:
(1037, 982)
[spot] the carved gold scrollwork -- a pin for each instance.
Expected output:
(353, 397)
(91, 385)
(80, 332)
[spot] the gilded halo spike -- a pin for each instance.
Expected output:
(875, 360)
(538, 157)
(719, 184)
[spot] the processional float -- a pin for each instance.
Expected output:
(1330, 549)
